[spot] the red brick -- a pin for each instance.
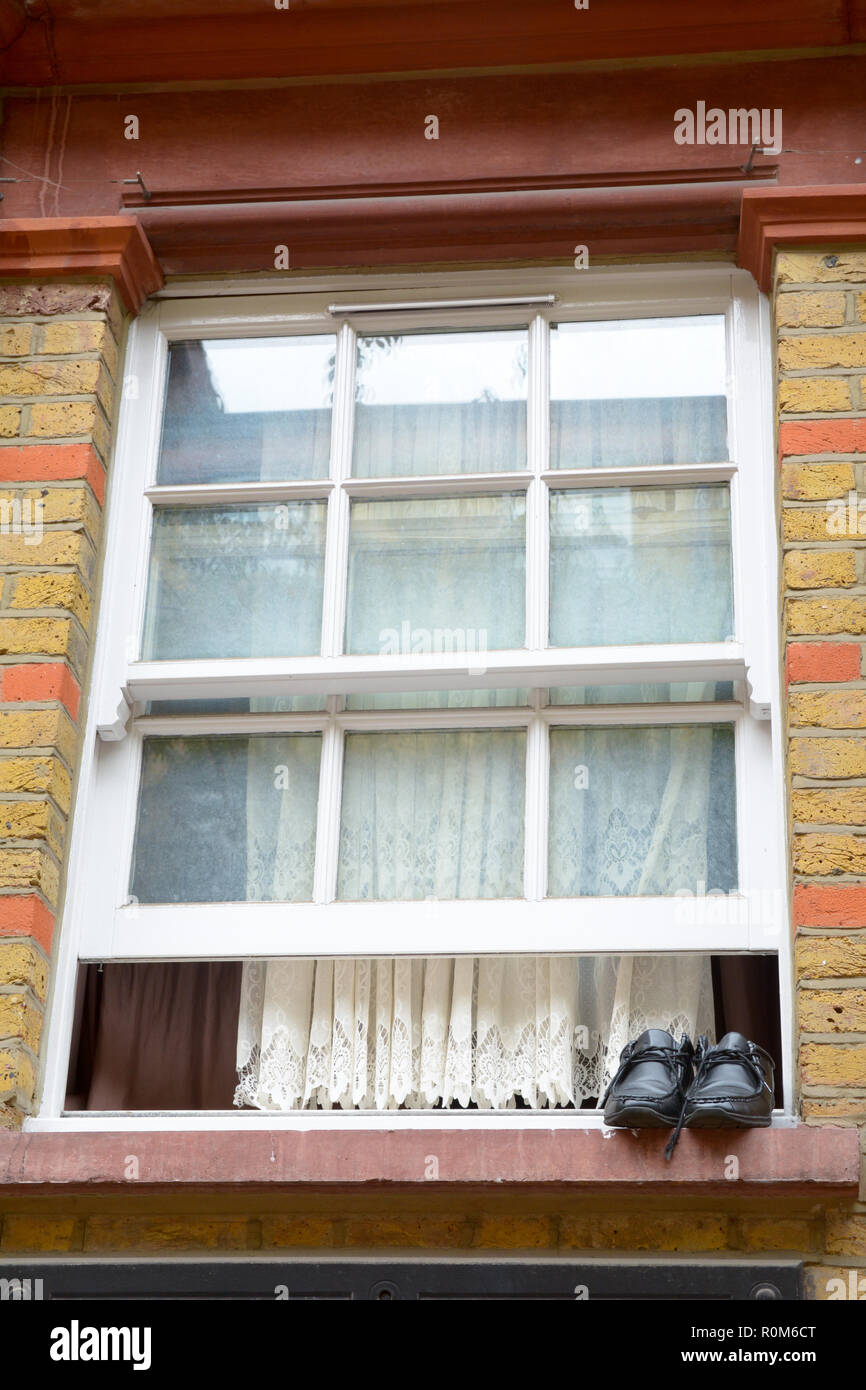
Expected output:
(26, 916)
(829, 905)
(41, 681)
(822, 661)
(801, 437)
(32, 463)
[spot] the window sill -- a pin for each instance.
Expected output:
(790, 1158)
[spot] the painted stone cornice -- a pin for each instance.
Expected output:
(44, 248)
(774, 218)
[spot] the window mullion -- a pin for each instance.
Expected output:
(537, 440)
(337, 541)
(328, 814)
(537, 784)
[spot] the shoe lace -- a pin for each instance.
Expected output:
(676, 1056)
(706, 1058)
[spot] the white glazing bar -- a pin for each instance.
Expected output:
(661, 475)
(214, 494)
(537, 781)
(328, 814)
(337, 541)
(444, 484)
(538, 451)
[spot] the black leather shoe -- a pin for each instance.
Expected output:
(650, 1084)
(732, 1088)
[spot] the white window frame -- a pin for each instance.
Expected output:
(101, 923)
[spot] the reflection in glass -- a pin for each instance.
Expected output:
(227, 819)
(248, 410)
(638, 391)
(235, 581)
(434, 403)
(632, 565)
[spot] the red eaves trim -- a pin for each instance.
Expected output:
(772, 218)
(815, 1160)
(40, 248)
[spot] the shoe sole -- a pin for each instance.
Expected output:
(710, 1117)
(638, 1117)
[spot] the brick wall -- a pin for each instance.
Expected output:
(820, 309)
(58, 365)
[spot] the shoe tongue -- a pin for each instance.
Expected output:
(653, 1037)
(734, 1040)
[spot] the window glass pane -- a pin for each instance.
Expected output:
(642, 812)
(631, 565)
(248, 409)
(227, 819)
(658, 693)
(638, 391)
(440, 699)
(235, 581)
(432, 815)
(437, 575)
(440, 403)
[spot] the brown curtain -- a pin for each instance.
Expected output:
(155, 1037)
(746, 1000)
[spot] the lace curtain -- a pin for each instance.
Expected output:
(426, 815)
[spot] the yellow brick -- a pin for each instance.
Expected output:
(17, 1075)
(833, 1064)
(812, 394)
(53, 591)
(514, 1233)
(411, 1230)
(811, 268)
(37, 775)
(15, 339)
(829, 805)
(10, 421)
(41, 1233)
(89, 336)
(42, 636)
(55, 505)
(58, 378)
(39, 728)
(861, 307)
(776, 1233)
(29, 868)
(816, 616)
(830, 957)
(32, 820)
(829, 350)
(311, 1232)
(662, 1231)
(821, 309)
(71, 548)
(806, 524)
(20, 1020)
(165, 1232)
(846, 1233)
(811, 482)
(65, 419)
(840, 1110)
(827, 709)
(832, 1010)
(820, 569)
(828, 757)
(816, 853)
(21, 963)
